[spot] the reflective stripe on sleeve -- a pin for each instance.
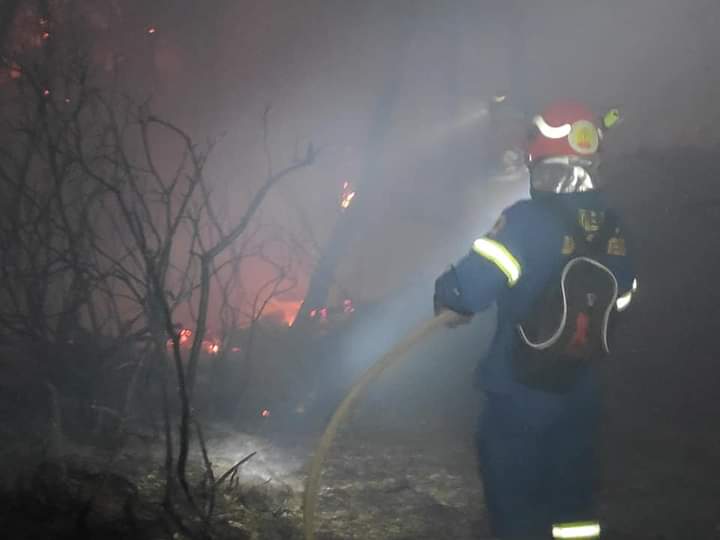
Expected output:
(583, 529)
(624, 301)
(499, 255)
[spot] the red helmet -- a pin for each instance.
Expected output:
(564, 129)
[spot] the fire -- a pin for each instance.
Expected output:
(319, 313)
(285, 310)
(212, 345)
(265, 413)
(324, 313)
(151, 30)
(184, 335)
(347, 196)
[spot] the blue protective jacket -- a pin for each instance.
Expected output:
(512, 266)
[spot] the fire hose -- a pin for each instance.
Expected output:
(391, 358)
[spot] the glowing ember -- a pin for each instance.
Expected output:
(235, 349)
(347, 196)
(214, 348)
(15, 72)
(46, 92)
(45, 35)
(151, 30)
(265, 413)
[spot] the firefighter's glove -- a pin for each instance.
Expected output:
(448, 296)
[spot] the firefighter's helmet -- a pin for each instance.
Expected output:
(563, 146)
(564, 129)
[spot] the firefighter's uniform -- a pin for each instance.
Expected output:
(536, 447)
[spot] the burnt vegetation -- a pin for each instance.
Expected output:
(111, 235)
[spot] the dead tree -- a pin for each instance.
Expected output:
(103, 233)
(172, 238)
(99, 234)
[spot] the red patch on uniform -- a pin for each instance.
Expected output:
(582, 328)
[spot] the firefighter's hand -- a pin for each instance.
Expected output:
(448, 297)
(458, 319)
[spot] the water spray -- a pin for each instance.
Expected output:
(390, 359)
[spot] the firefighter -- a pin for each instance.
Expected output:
(557, 266)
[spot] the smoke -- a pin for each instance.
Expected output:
(322, 65)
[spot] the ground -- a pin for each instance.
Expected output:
(401, 487)
(402, 468)
(377, 485)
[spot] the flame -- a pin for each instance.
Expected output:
(265, 413)
(319, 313)
(322, 314)
(285, 310)
(347, 196)
(212, 345)
(184, 336)
(345, 203)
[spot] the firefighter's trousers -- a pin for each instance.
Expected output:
(538, 459)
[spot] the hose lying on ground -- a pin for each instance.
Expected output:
(392, 357)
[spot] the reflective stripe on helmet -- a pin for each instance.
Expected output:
(552, 132)
(499, 255)
(580, 529)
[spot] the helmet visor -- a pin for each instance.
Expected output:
(567, 174)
